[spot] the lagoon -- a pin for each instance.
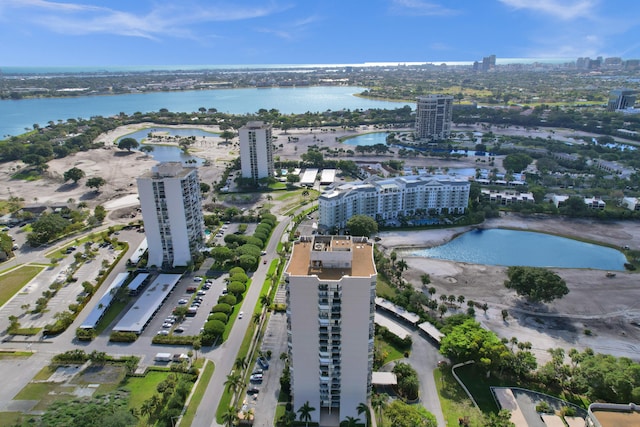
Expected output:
(16, 115)
(525, 248)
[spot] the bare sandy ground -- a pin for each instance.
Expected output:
(608, 307)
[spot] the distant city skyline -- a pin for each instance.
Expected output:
(146, 32)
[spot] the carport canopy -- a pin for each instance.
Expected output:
(384, 378)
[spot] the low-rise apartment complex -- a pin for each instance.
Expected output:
(387, 200)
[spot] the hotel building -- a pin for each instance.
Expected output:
(392, 198)
(172, 212)
(331, 286)
(256, 150)
(433, 117)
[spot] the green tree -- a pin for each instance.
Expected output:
(73, 174)
(501, 419)
(362, 225)
(401, 414)
(536, 284)
(100, 213)
(230, 416)
(379, 404)
(350, 422)
(516, 162)
(147, 148)
(305, 413)
(96, 182)
(128, 144)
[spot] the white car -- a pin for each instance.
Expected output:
(163, 332)
(240, 315)
(183, 301)
(197, 279)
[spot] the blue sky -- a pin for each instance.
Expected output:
(236, 32)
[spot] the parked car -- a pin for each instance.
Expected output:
(183, 301)
(179, 330)
(263, 362)
(164, 332)
(257, 378)
(253, 390)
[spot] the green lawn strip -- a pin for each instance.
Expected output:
(384, 289)
(198, 394)
(479, 385)
(26, 331)
(10, 419)
(142, 388)
(13, 281)
(112, 313)
(453, 400)
(392, 352)
(14, 354)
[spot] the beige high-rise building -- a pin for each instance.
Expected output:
(256, 150)
(433, 117)
(171, 207)
(331, 286)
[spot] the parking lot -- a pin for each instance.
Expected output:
(182, 296)
(264, 402)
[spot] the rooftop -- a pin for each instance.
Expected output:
(331, 257)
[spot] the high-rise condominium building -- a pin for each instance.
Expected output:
(256, 150)
(331, 286)
(433, 117)
(621, 99)
(390, 199)
(172, 213)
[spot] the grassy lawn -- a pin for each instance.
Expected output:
(392, 353)
(454, 401)
(142, 388)
(10, 419)
(384, 289)
(13, 281)
(198, 394)
(478, 384)
(112, 312)
(11, 354)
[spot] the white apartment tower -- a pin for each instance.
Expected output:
(392, 199)
(172, 213)
(256, 150)
(331, 286)
(433, 117)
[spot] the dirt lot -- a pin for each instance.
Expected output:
(608, 307)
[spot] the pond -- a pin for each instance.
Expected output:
(525, 248)
(381, 138)
(170, 153)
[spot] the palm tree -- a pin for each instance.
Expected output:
(350, 422)
(305, 412)
(265, 300)
(363, 408)
(379, 404)
(230, 416)
(402, 265)
(256, 317)
(233, 382)
(241, 363)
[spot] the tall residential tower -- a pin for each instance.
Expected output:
(256, 150)
(172, 213)
(433, 117)
(331, 287)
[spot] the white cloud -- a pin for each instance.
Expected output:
(562, 9)
(420, 8)
(168, 19)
